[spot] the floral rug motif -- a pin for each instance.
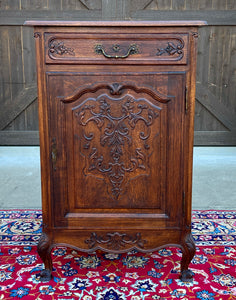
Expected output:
(20, 227)
(23, 227)
(129, 276)
(214, 227)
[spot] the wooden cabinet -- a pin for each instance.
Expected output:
(116, 107)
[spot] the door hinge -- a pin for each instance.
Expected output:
(186, 99)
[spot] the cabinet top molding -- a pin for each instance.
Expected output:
(115, 23)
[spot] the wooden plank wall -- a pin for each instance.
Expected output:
(18, 94)
(215, 118)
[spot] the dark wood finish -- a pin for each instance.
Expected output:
(80, 49)
(116, 134)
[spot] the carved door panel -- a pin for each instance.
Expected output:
(116, 148)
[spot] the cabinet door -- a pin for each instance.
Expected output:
(117, 149)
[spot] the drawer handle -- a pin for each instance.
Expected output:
(133, 49)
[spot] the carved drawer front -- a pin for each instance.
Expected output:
(69, 48)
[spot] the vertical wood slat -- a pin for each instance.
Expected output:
(178, 5)
(28, 55)
(7, 5)
(164, 4)
(5, 67)
(123, 10)
(68, 4)
(216, 75)
(72, 5)
(109, 9)
(187, 4)
(201, 114)
(19, 123)
(140, 4)
(55, 4)
(219, 4)
(191, 5)
(205, 5)
(203, 55)
(231, 87)
(30, 113)
(218, 78)
(34, 5)
(80, 5)
(205, 121)
(227, 41)
(91, 4)
(231, 4)
(215, 61)
(16, 64)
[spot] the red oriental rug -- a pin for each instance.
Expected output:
(131, 276)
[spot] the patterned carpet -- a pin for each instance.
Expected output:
(214, 228)
(131, 276)
(23, 227)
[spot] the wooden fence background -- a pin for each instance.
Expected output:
(215, 118)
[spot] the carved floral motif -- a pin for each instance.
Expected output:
(172, 49)
(115, 240)
(59, 48)
(115, 127)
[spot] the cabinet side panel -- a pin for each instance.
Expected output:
(43, 127)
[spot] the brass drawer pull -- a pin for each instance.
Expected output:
(133, 49)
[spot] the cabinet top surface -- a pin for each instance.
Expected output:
(114, 23)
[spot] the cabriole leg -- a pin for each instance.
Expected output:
(189, 250)
(44, 251)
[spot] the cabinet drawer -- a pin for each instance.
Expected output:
(74, 48)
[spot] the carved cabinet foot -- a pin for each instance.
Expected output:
(44, 251)
(189, 250)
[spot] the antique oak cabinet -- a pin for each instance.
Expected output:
(116, 108)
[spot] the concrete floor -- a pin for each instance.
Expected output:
(214, 178)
